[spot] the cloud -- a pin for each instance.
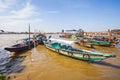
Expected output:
(19, 25)
(6, 4)
(25, 12)
(18, 16)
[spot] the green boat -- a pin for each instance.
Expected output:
(100, 43)
(77, 53)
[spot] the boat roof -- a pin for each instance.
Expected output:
(62, 40)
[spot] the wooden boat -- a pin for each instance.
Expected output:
(39, 40)
(91, 41)
(22, 46)
(100, 43)
(77, 53)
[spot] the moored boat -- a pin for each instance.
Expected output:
(21, 46)
(92, 41)
(77, 53)
(40, 40)
(100, 43)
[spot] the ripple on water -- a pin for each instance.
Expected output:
(9, 65)
(4, 57)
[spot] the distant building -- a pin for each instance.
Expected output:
(62, 30)
(92, 34)
(109, 33)
(73, 31)
(78, 32)
(115, 33)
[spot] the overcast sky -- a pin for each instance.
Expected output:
(55, 15)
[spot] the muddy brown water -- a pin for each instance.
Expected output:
(40, 63)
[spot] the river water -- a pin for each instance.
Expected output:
(40, 63)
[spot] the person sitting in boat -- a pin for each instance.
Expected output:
(22, 43)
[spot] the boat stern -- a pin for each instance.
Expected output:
(109, 55)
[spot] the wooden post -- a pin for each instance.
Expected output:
(109, 34)
(29, 36)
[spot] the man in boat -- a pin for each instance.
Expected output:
(49, 41)
(49, 37)
(22, 43)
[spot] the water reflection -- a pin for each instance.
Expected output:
(103, 63)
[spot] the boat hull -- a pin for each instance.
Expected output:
(100, 43)
(18, 48)
(80, 56)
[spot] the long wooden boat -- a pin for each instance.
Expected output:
(17, 48)
(24, 45)
(39, 40)
(100, 43)
(90, 41)
(77, 53)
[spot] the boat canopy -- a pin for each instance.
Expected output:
(62, 41)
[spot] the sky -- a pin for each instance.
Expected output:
(55, 15)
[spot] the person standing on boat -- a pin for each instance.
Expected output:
(49, 41)
(49, 37)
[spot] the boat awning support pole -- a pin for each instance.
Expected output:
(29, 36)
